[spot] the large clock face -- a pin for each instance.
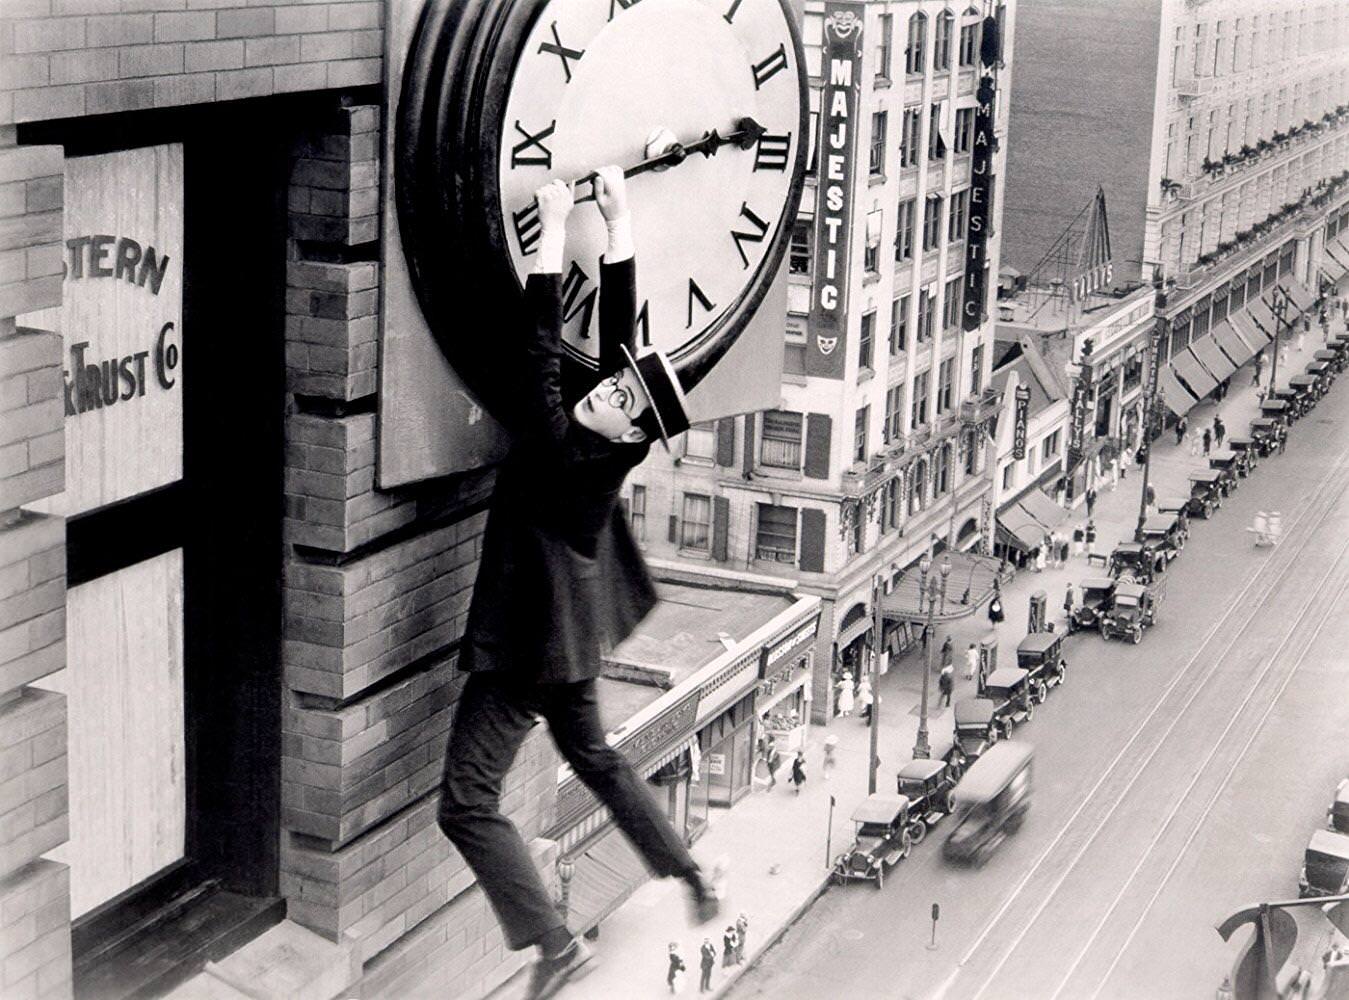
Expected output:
(587, 85)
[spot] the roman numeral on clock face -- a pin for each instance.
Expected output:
(771, 152)
(730, 14)
(574, 303)
(757, 236)
(642, 326)
(770, 67)
(624, 4)
(697, 293)
(555, 47)
(530, 151)
(527, 228)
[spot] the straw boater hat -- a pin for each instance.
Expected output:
(661, 383)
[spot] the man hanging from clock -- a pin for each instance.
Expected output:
(560, 580)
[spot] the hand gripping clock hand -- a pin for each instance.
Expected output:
(745, 134)
(555, 203)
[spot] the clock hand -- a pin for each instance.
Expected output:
(746, 134)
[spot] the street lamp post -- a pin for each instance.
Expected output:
(1150, 406)
(875, 720)
(1280, 307)
(922, 749)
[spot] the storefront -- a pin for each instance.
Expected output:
(784, 695)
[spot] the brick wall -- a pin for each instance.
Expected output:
(376, 590)
(35, 956)
(66, 58)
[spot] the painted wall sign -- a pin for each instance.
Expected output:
(1019, 421)
(121, 320)
(827, 342)
(981, 185)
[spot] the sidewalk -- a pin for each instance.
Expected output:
(776, 839)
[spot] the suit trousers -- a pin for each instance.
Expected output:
(494, 715)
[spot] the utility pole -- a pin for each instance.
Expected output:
(1280, 306)
(1150, 405)
(922, 749)
(877, 627)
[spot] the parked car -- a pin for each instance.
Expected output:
(1094, 594)
(1132, 609)
(1325, 865)
(1227, 462)
(1266, 435)
(1247, 454)
(1140, 562)
(991, 802)
(1175, 506)
(1206, 493)
(1165, 533)
(882, 839)
(927, 784)
(1337, 816)
(1040, 654)
(976, 729)
(1010, 691)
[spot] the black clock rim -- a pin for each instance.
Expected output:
(446, 218)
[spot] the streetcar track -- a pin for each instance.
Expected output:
(1332, 486)
(1337, 567)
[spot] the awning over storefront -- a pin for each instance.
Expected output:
(1177, 398)
(1212, 358)
(853, 628)
(603, 876)
(1336, 261)
(1049, 514)
(1193, 374)
(1018, 528)
(968, 586)
(1298, 292)
(1249, 329)
(1233, 344)
(1262, 315)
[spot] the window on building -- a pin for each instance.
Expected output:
(964, 137)
(918, 486)
(1008, 472)
(877, 163)
(696, 530)
(780, 443)
(926, 315)
(941, 43)
(969, 44)
(859, 449)
(798, 261)
(700, 442)
(865, 341)
(969, 444)
(886, 29)
(918, 409)
(932, 222)
(942, 480)
(946, 385)
(958, 216)
(892, 503)
(871, 253)
(899, 325)
(794, 359)
(936, 145)
(904, 230)
(1030, 462)
(775, 536)
(1050, 446)
(908, 139)
(813, 153)
(894, 413)
(977, 370)
(915, 51)
(955, 290)
(638, 512)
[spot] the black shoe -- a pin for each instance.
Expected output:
(706, 894)
(550, 974)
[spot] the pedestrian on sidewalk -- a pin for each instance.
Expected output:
(741, 929)
(1259, 365)
(799, 770)
(728, 947)
(948, 653)
(706, 964)
(1063, 549)
(1219, 430)
(1196, 442)
(864, 699)
(1091, 540)
(1208, 440)
(1181, 426)
(1038, 557)
(772, 760)
(1079, 538)
(971, 662)
(1114, 471)
(1149, 497)
(1302, 333)
(946, 684)
(995, 613)
(674, 972)
(830, 745)
(1068, 603)
(1091, 501)
(845, 694)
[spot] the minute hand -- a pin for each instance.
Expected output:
(747, 133)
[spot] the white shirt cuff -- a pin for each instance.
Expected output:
(551, 246)
(620, 240)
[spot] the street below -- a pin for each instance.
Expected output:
(1174, 780)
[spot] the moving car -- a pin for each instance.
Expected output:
(976, 729)
(1010, 691)
(882, 839)
(1132, 609)
(991, 802)
(1094, 594)
(1325, 865)
(927, 784)
(1040, 654)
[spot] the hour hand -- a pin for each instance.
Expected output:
(744, 135)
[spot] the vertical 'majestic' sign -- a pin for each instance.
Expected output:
(833, 204)
(981, 181)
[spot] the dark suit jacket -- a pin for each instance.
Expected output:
(561, 579)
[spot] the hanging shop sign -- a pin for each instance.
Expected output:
(837, 143)
(1019, 421)
(981, 184)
